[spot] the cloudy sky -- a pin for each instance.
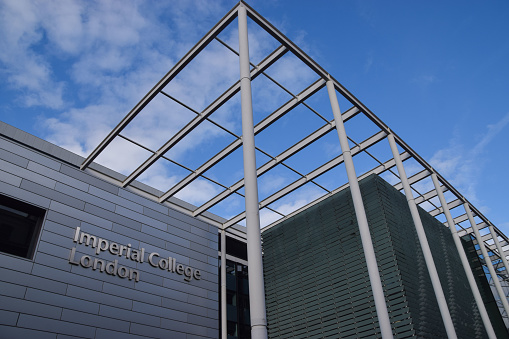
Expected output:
(436, 72)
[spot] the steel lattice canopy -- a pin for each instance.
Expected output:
(210, 123)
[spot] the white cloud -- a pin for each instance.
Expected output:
(22, 67)
(198, 192)
(87, 63)
(461, 165)
(290, 203)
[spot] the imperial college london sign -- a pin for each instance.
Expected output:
(100, 245)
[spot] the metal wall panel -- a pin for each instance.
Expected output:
(48, 297)
(318, 278)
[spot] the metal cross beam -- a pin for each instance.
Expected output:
(237, 143)
(277, 160)
(218, 28)
(312, 175)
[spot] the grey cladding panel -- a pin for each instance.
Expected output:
(140, 218)
(84, 196)
(82, 215)
(13, 158)
(82, 176)
(141, 236)
(26, 174)
(12, 290)
(29, 307)
(114, 198)
(136, 199)
(23, 195)
(57, 176)
(131, 294)
(93, 320)
(10, 179)
(99, 297)
(131, 316)
(49, 294)
(156, 332)
(62, 219)
(61, 301)
(23, 279)
(56, 326)
(8, 318)
(29, 154)
(66, 277)
(16, 332)
(15, 263)
(113, 217)
(107, 334)
(52, 194)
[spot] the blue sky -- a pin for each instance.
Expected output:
(436, 72)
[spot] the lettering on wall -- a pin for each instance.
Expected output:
(100, 245)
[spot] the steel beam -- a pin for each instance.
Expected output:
(310, 176)
(377, 170)
(362, 220)
(414, 178)
(254, 245)
(488, 262)
(450, 205)
(224, 315)
(423, 241)
(234, 89)
(273, 117)
(464, 260)
(277, 160)
(222, 24)
(499, 248)
(269, 28)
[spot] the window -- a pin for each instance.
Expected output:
(20, 224)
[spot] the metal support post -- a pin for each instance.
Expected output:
(499, 248)
(487, 258)
(223, 286)
(426, 251)
(254, 245)
(464, 260)
(367, 244)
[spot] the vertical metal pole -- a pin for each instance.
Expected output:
(254, 246)
(426, 251)
(487, 258)
(499, 248)
(464, 260)
(223, 286)
(502, 256)
(367, 244)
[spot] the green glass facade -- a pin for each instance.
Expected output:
(317, 284)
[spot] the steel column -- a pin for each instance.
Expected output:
(487, 258)
(223, 285)
(360, 213)
(426, 251)
(499, 248)
(464, 260)
(254, 245)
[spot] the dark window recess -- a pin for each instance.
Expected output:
(235, 247)
(19, 227)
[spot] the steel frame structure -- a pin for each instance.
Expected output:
(493, 244)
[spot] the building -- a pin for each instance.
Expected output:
(89, 252)
(82, 257)
(319, 285)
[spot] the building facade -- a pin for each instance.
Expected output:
(84, 258)
(90, 253)
(318, 286)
